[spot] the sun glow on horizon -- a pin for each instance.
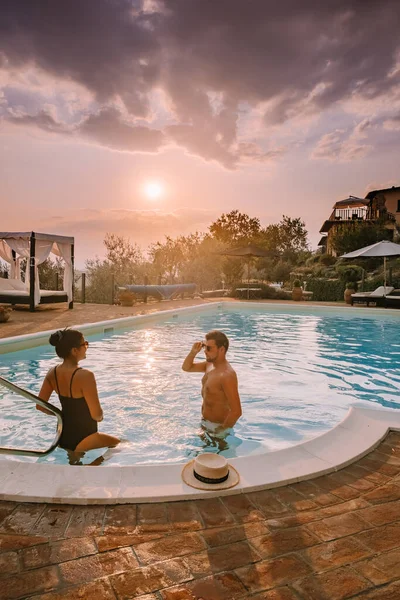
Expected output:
(153, 190)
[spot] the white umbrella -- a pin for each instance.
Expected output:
(380, 249)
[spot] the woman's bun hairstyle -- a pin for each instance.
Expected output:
(64, 340)
(56, 337)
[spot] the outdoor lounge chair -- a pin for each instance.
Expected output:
(392, 300)
(13, 291)
(377, 296)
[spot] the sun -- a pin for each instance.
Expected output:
(153, 190)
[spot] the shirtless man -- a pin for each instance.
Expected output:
(221, 401)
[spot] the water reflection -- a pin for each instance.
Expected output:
(297, 374)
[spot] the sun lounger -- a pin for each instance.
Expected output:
(392, 300)
(376, 297)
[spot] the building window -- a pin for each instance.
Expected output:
(398, 205)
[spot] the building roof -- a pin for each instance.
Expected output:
(373, 193)
(323, 241)
(352, 201)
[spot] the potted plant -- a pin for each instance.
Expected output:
(350, 289)
(126, 298)
(5, 312)
(297, 291)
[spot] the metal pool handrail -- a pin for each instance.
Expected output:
(36, 400)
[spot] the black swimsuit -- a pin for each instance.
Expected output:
(77, 420)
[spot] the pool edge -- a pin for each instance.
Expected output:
(359, 433)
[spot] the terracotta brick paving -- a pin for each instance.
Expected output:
(330, 538)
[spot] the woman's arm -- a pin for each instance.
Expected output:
(91, 396)
(44, 394)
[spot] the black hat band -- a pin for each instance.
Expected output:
(208, 480)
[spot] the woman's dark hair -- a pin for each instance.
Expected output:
(64, 340)
(219, 338)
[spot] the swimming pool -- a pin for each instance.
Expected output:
(299, 370)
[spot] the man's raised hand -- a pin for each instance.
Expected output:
(197, 346)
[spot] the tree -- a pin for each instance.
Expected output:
(287, 238)
(167, 258)
(352, 236)
(49, 271)
(235, 228)
(282, 271)
(202, 261)
(124, 258)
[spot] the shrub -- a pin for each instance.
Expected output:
(266, 292)
(327, 272)
(327, 260)
(373, 282)
(98, 282)
(326, 290)
(313, 260)
(281, 272)
(297, 283)
(349, 272)
(300, 272)
(283, 295)
(351, 285)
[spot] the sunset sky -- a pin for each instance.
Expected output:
(147, 118)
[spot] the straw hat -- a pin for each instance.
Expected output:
(210, 471)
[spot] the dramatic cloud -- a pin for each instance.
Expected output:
(207, 60)
(342, 146)
(393, 123)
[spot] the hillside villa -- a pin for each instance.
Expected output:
(377, 206)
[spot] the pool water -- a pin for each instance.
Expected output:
(298, 373)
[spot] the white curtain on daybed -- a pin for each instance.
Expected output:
(42, 251)
(65, 252)
(6, 254)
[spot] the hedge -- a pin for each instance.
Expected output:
(326, 290)
(266, 292)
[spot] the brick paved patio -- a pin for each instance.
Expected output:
(330, 538)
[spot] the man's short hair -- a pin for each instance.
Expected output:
(219, 338)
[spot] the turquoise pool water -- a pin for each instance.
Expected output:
(298, 373)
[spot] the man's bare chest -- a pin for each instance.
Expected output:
(212, 381)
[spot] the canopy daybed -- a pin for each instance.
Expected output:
(35, 247)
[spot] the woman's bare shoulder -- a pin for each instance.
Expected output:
(85, 374)
(50, 374)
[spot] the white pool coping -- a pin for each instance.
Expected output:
(359, 433)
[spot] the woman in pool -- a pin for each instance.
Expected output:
(77, 390)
